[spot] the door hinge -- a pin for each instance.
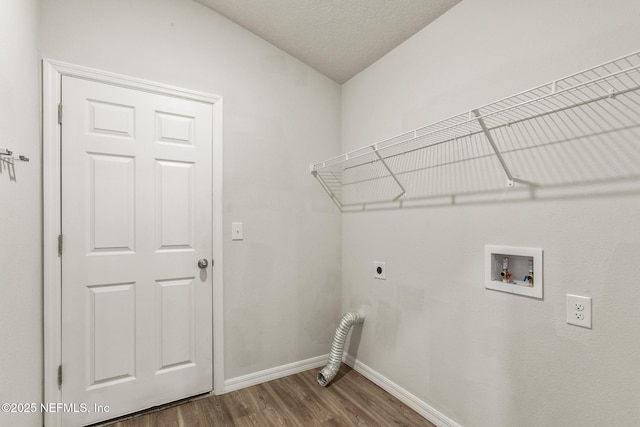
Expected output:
(59, 114)
(59, 376)
(60, 245)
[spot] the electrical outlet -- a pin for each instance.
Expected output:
(579, 310)
(379, 270)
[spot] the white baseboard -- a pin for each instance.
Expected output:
(386, 384)
(274, 373)
(401, 394)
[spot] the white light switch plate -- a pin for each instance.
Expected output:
(579, 310)
(236, 231)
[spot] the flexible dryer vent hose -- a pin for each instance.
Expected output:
(337, 347)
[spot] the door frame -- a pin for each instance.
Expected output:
(52, 73)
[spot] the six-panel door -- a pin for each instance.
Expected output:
(136, 218)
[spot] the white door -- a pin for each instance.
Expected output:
(136, 219)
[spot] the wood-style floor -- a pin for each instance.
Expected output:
(297, 400)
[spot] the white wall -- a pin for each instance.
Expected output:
(282, 283)
(20, 212)
(481, 357)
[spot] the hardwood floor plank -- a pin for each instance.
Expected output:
(279, 413)
(297, 400)
(307, 387)
(170, 417)
(236, 404)
(245, 421)
(395, 412)
(192, 415)
(267, 408)
(211, 412)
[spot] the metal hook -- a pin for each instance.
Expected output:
(9, 155)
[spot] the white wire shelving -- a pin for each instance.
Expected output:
(579, 129)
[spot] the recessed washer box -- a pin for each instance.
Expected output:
(518, 263)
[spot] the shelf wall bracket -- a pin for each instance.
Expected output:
(487, 134)
(326, 188)
(404, 192)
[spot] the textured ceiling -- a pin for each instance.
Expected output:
(339, 38)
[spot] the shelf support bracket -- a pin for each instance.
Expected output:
(326, 188)
(487, 134)
(404, 192)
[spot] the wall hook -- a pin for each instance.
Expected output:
(7, 154)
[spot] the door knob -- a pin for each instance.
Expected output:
(203, 263)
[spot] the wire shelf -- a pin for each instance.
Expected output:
(579, 129)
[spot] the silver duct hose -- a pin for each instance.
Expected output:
(337, 347)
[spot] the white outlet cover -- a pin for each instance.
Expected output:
(579, 310)
(379, 270)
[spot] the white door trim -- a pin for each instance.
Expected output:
(52, 72)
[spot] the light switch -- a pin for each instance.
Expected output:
(236, 231)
